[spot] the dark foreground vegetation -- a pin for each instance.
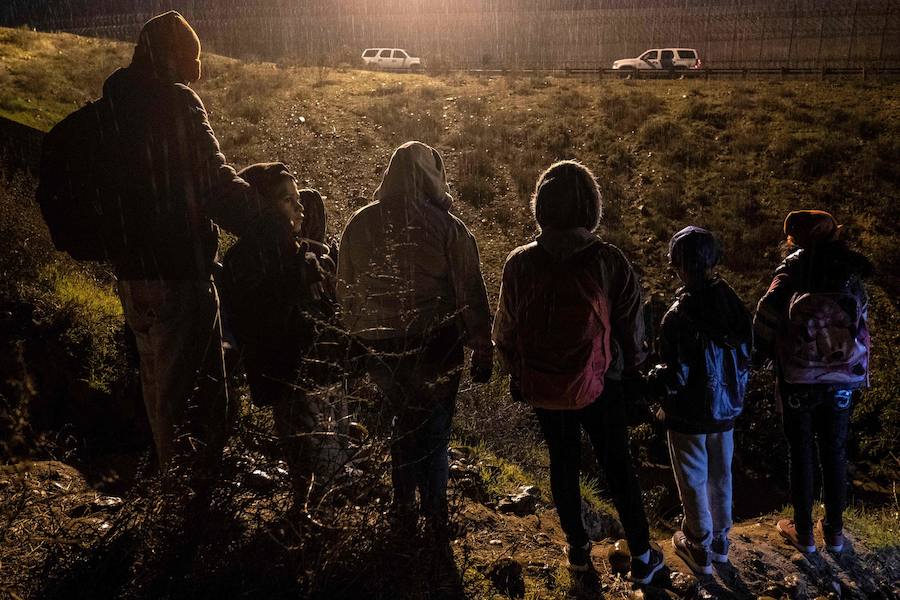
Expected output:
(733, 157)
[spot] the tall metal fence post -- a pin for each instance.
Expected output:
(793, 29)
(852, 33)
(819, 49)
(762, 40)
(737, 11)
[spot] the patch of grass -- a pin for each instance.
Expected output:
(660, 133)
(387, 89)
(699, 110)
(475, 190)
(571, 100)
(471, 105)
(667, 198)
(821, 155)
(878, 527)
(87, 317)
(504, 477)
(402, 119)
(590, 492)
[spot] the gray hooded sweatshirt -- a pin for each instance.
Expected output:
(407, 265)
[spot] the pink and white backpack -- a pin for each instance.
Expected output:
(825, 340)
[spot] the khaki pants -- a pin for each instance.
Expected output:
(179, 339)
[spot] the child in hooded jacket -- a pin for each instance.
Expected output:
(704, 344)
(570, 330)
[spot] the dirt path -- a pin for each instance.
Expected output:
(761, 564)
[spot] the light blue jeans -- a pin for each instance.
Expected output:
(702, 466)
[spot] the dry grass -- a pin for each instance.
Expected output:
(733, 157)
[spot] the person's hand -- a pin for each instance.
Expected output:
(656, 387)
(482, 365)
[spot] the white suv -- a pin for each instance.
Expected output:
(390, 58)
(661, 58)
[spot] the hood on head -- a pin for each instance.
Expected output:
(415, 174)
(169, 47)
(314, 216)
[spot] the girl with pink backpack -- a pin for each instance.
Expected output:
(812, 324)
(569, 328)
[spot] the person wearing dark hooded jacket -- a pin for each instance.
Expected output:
(173, 181)
(583, 298)
(411, 291)
(821, 362)
(704, 344)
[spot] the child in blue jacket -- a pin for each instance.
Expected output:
(705, 343)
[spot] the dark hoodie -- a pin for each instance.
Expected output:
(175, 180)
(705, 342)
(612, 271)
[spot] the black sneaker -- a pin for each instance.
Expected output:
(643, 572)
(580, 558)
(696, 557)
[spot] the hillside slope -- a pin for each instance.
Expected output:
(733, 156)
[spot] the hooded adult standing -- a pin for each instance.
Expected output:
(175, 184)
(411, 290)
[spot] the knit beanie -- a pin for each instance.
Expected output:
(805, 228)
(694, 250)
(170, 46)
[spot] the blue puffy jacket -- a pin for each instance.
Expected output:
(705, 342)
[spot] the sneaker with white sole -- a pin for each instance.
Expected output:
(696, 557)
(643, 572)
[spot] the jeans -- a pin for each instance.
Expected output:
(419, 379)
(813, 416)
(179, 340)
(702, 466)
(605, 423)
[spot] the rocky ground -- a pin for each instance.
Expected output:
(504, 546)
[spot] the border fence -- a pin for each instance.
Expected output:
(511, 33)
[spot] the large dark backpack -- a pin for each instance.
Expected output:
(564, 333)
(78, 191)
